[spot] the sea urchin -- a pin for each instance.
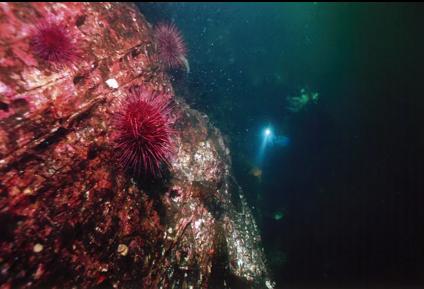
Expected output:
(172, 50)
(142, 123)
(52, 42)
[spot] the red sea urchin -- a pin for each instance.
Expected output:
(172, 50)
(52, 42)
(142, 123)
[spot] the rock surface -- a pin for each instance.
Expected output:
(70, 216)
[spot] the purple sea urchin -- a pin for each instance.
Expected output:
(142, 123)
(52, 42)
(172, 50)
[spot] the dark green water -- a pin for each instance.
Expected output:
(342, 203)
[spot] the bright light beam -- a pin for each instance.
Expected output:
(267, 137)
(267, 132)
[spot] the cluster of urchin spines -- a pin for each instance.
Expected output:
(143, 131)
(172, 50)
(53, 42)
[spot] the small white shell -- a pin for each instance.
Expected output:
(112, 83)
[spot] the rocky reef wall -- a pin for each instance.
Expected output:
(70, 216)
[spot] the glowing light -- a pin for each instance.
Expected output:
(270, 139)
(267, 132)
(266, 138)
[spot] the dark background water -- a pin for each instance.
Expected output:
(350, 184)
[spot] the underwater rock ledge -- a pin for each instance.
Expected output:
(70, 216)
